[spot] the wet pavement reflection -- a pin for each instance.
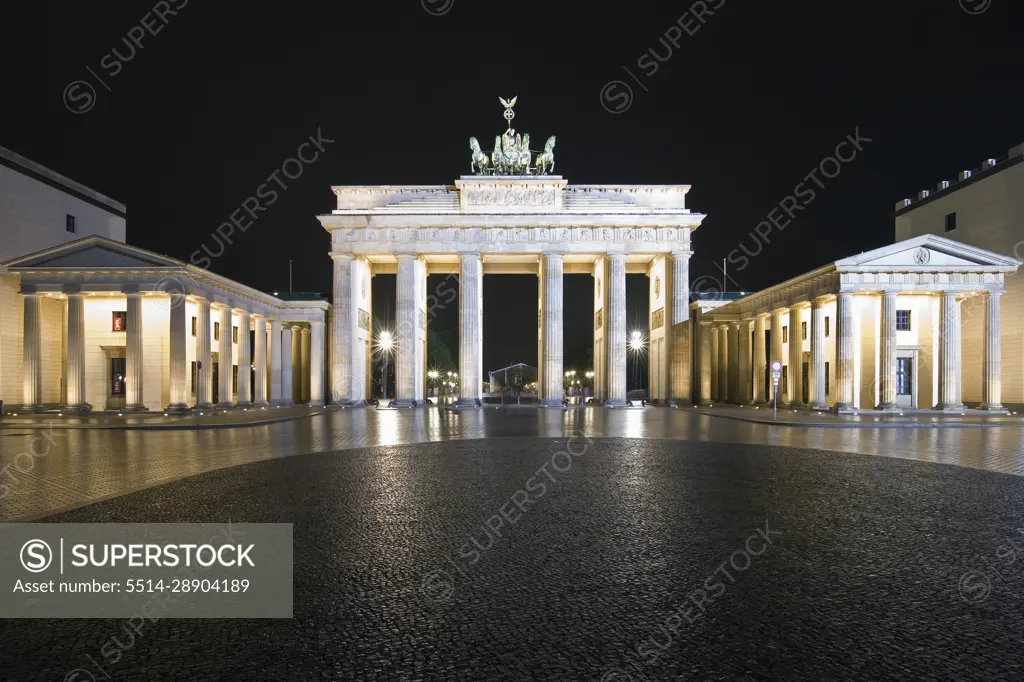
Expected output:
(43, 471)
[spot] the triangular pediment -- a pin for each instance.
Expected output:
(92, 252)
(928, 251)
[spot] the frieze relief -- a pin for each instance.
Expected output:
(511, 196)
(478, 235)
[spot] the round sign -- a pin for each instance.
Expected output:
(776, 366)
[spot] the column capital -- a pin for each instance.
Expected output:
(820, 302)
(559, 255)
(683, 255)
(72, 289)
(342, 256)
(316, 324)
(131, 289)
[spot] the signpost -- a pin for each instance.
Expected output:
(776, 375)
(199, 388)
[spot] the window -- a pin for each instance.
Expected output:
(193, 326)
(826, 326)
(904, 376)
(234, 334)
(950, 222)
(69, 223)
(785, 375)
(193, 374)
(216, 331)
(903, 320)
(785, 335)
(120, 321)
(234, 378)
(803, 331)
(828, 387)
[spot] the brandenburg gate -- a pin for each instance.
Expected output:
(511, 215)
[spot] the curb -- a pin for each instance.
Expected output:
(861, 425)
(154, 427)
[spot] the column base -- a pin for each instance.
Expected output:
(404, 403)
(951, 407)
(820, 407)
(315, 403)
(134, 408)
(246, 404)
(680, 402)
(84, 408)
(177, 408)
(843, 408)
(890, 407)
(280, 402)
(350, 403)
(706, 403)
(467, 404)
(760, 403)
(261, 403)
(616, 403)
(553, 403)
(224, 406)
(30, 409)
(993, 408)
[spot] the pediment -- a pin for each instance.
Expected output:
(92, 252)
(928, 252)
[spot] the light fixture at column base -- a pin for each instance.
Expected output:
(177, 408)
(84, 408)
(134, 408)
(261, 403)
(245, 404)
(315, 403)
(819, 406)
(224, 406)
(205, 406)
(466, 404)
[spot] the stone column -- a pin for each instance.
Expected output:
(817, 364)
(134, 364)
(286, 362)
(32, 354)
(405, 325)
(244, 360)
(704, 339)
(304, 358)
(844, 351)
(949, 340)
(75, 400)
(715, 343)
(551, 394)
(776, 349)
(615, 338)
(759, 361)
(470, 330)
(743, 363)
(344, 323)
(679, 371)
(225, 359)
(178, 336)
(296, 365)
(794, 378)
(278, 353)
(733, 375)
(316, 364)
(887, 353)
(260, 359)
(723, 363)
(991, 378)
(204, 355)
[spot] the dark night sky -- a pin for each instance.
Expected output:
(743, 110)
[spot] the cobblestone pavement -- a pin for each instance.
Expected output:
(640, 560)
(42, 471)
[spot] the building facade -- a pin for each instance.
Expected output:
(879, 331)
(983, 207)
(88, 322)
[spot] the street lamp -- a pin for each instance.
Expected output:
(385, 347)
(637, 347)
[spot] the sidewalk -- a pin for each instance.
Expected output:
(157, 421)
(870, 420)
